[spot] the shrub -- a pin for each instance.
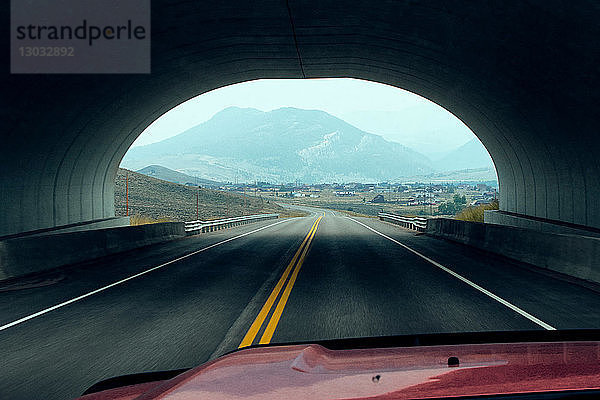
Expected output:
(475, 213)
(460, 200)
(450, 208)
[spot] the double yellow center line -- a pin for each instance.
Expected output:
(294, 265)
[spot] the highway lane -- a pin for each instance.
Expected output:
(85, 277)
(561, 301)
(368, 286)
(343, 280)
(170, 318)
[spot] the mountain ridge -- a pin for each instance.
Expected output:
(169, 175)
(465, 157)
(283, 145)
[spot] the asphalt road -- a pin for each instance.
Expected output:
(323, 276)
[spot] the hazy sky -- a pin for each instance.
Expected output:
(393, 113)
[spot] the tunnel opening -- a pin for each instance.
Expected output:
(352, 144)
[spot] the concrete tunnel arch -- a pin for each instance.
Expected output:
(524, 79)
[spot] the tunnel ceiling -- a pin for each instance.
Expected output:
(524, 78)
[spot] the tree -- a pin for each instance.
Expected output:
(458, 199)
(453, 207)
(447, 208)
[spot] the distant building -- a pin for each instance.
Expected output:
(480, 202)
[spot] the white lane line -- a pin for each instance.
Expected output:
(465, 280)
(47, 310)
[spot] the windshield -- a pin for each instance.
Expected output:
(181, 181)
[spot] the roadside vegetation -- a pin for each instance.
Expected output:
(143, 220)
(475, 213)
(453, 207)
(153, 200)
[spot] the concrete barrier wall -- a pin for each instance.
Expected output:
(25, 255)
(573, 255)
(102, 224)
(523, 221)
(112, 222)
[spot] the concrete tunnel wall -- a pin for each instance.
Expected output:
(523, 77)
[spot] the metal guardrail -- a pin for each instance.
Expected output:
(414, 223)
(194, 227)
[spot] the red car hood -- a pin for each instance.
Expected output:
(314, 372)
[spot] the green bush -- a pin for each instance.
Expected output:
(449, 208)
(460, 200)
(453, 207)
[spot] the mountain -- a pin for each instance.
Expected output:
(166, 174)
(283, 145)
(468, 156)
(485, 175)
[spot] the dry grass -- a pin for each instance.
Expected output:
(143, 220)
(475, 213)
(158, 200)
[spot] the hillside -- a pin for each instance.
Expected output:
(155, 198)
(280, 146)
(468, 156)
(166, 174)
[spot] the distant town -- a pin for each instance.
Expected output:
(438, 198)
(369, 198)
